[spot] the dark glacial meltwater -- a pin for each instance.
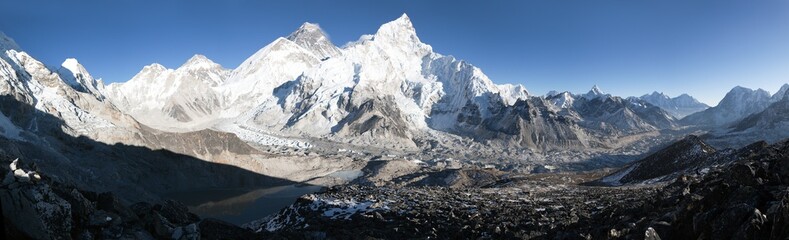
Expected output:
(239, 206)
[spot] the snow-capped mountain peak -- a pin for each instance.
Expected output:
(308, 27)
(172, 98)
(76, 76)
(737, 104)
(149, 73)
(656, 94)
(313, 38)
(739, 97)
(399, 30)
(685, 96)
(595, 92)
(155, 67)
(75, 67)
(562, 100)
(199, 62)
(7, 43)
(679, 106)
(780, 94)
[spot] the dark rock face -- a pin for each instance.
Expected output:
(624, 115)
(746, 199)
(451, 178)
(743, 200)
(31, 208)
(686, 156)
(35, 206)
(527, 123)
(375, 117)
(176, 212)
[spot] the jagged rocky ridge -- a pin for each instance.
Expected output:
(744, 197)
(679, 106)
(690, 155)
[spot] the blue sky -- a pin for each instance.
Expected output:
(702, 47)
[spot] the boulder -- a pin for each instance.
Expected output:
(36, 211)
(108, 202)
(176, 213)
(81, 207)
(159, 226)
(142, 209)
(651, 234)
(779, 216)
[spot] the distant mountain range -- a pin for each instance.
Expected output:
(386, 92)
(679, 107)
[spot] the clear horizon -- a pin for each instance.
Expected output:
(702, 48)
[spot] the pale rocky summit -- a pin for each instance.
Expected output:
(679, 106)
(312, 37)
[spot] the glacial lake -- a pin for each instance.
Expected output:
(239, 206)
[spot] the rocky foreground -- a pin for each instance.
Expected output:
(743, 197)
(747, 198)
(37, 207)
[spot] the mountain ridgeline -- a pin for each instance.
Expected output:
(383, 114)
(387, 90)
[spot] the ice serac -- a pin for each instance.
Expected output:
(186, 98)
(679, 106)
(736, 105)
(310, 36)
